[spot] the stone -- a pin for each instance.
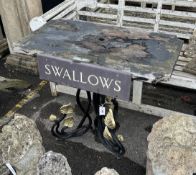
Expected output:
(4, 170)
(106, 171)
(53, 163)
(21, 145)
(172, 146)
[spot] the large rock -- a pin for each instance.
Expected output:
(172, 147)
(53, 164)
(106, 171)
(21, 145)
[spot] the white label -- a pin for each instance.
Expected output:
(101, 110)
(11, 168)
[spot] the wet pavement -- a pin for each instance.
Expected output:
(84, 154)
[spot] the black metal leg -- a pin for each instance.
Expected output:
(114, 145)
(81, 128)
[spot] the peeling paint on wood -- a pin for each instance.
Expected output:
(147, 55)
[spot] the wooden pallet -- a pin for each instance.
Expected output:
(172, 17)
(167, 16)
(181, 78)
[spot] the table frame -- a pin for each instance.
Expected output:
(136, 103)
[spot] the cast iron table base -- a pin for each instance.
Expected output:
(114, 145)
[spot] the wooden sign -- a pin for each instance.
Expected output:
(85, 76)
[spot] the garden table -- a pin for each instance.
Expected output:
(101, 59)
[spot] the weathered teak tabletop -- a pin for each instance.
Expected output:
(129, 51)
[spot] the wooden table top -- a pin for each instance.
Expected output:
(146, 55)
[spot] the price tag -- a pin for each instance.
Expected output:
(101, 110)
